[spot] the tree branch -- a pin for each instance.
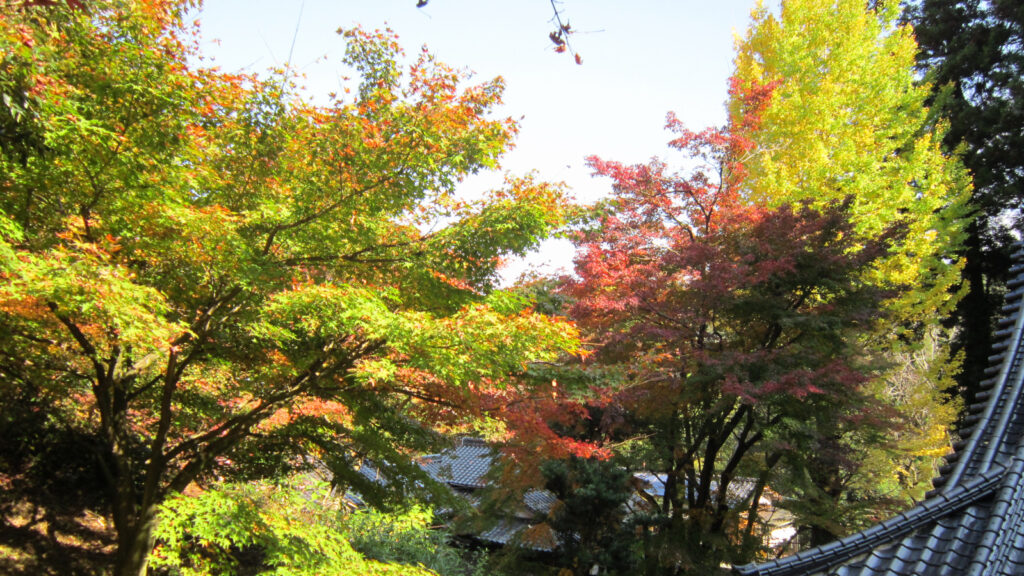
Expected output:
(277, 229)
(81, 339)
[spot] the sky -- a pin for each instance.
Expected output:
(641, 59)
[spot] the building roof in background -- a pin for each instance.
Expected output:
(739, 490)
(973, 521)
(463, 466)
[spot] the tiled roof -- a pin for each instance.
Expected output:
(973, 522)
(533, 536)
(539, 501)
(739, 490)
(464, 466)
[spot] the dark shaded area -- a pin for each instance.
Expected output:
(973, 54)
(973, 522)
(53, 513)
(53, 540)
(592, 516)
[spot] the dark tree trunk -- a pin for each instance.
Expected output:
(828, 479)
(985, 269)
(134, 542)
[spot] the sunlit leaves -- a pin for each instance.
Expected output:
(846, 118)
(233, 276)
(735, 323)
(204, 533)
(82, 284)
(322, 310)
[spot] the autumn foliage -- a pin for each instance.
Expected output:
(213, 277)
(733, 327)
(207, 276)
(745, 313)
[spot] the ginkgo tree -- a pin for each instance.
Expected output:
(848, 118)
(215, 277)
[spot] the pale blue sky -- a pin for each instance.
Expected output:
(641, 59)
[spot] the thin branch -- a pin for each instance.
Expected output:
(248, 418)
(561, 36)
(277, 229)
(31, 338)
(316, 371)
(420, 396)
(199, 327)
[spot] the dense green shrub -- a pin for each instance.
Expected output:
(263, 528)
(408, 538)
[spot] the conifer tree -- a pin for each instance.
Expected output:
(972, 55)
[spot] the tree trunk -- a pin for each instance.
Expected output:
(830, 483)
(134, 542)
(975, 313)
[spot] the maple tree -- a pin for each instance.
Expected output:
(735, 327)
(214, 277)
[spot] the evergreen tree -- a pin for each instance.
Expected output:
(972, 54)
(590, 516)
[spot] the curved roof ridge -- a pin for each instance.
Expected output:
(1002, 399)
(882, 533)
(1005, 525)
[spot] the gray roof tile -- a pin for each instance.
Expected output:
(522, 534)
(464, 466)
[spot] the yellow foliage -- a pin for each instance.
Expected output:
(847, 118)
